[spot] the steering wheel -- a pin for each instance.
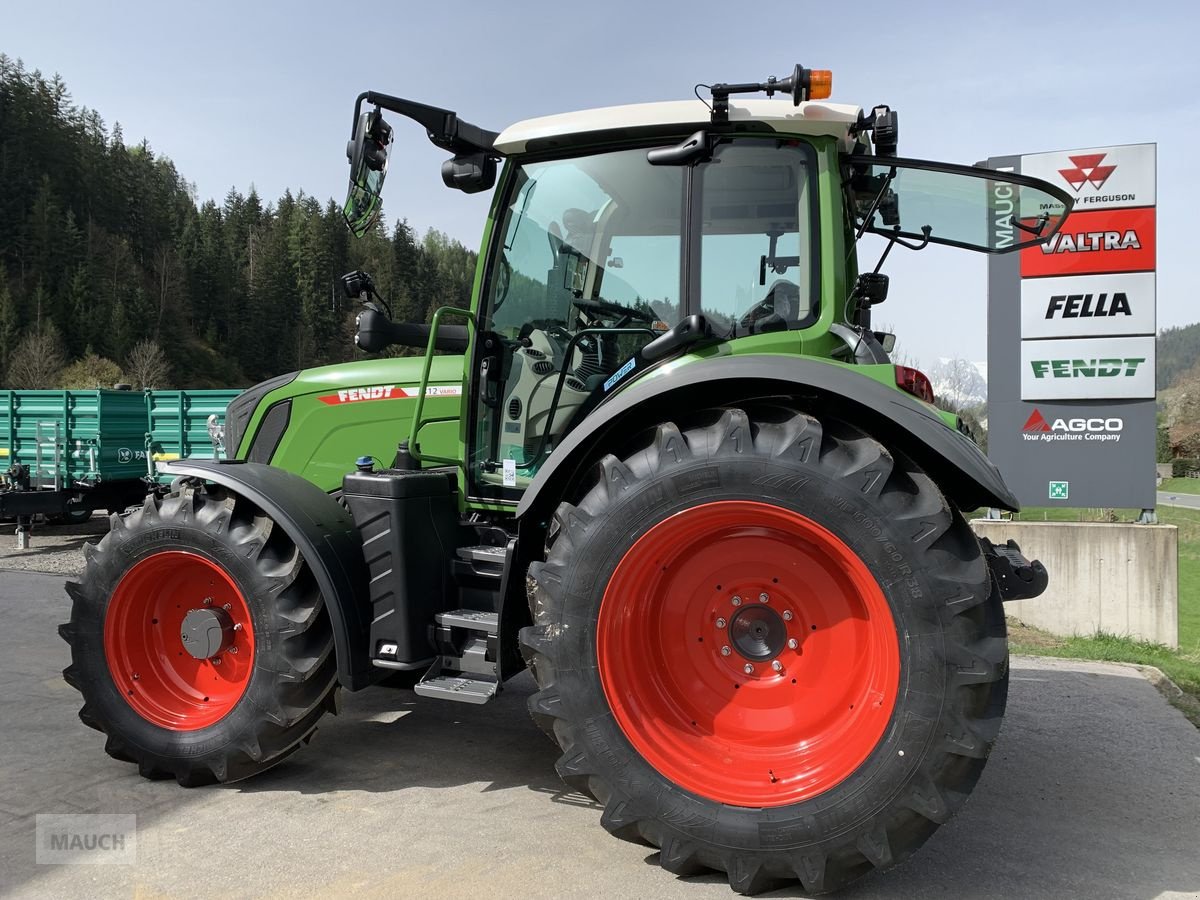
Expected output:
(503, 280)
(595, 308)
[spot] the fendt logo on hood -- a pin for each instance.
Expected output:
(1087, 170)
(1038, 428)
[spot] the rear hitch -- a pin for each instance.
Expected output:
(1015, 576)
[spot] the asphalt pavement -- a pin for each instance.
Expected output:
(1093, 791)
(1168, 498)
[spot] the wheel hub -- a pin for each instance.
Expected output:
(758, 633)
(206, 632)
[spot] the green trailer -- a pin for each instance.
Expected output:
(178, 423)
(66, 454)
(63, 439)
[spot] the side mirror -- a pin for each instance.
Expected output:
(469, 172)
(368, 156)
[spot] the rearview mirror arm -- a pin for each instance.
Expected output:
(444, 128)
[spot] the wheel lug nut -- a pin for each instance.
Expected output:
(748, 669)
(227, 606)
(787, 615)
(776, 665)
(793, 643)
(208, 601)
(720, 622)
(763, 597)
(725, 651)
(737, 601)
(216, 660)
(233, 650)
(136, 676)
(237, 626)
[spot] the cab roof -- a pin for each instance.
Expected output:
(809, 118)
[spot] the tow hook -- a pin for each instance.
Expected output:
(1015, 576)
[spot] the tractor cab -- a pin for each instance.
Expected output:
(622, 238)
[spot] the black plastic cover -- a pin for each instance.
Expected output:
(408, 522)
(241, 410)
(270, 432)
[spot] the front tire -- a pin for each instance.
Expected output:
(767, 646)
(199, 639)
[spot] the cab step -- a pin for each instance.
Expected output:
(465, 670)
(458, 688)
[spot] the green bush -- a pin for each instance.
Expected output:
(1184, 467)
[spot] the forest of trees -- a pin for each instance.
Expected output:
(111, 269)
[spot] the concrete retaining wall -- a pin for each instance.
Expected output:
(1122, 579)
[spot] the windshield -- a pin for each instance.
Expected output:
(968, 207)
(604, 228)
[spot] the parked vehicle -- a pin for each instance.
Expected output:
(688, 489)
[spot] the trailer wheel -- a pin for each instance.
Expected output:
(199, 639)
(768, 647)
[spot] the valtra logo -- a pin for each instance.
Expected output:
(1087, 169)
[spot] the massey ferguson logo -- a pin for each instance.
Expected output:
(1086, 169)
(1038, 428)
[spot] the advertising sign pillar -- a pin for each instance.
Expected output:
(1071, 337)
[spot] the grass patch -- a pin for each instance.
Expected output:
(1180, 486)
(1183, 668)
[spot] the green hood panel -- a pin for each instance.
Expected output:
(339, 413)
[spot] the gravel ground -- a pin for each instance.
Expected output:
(57, 549)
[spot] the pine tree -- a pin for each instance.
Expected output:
(8, 320)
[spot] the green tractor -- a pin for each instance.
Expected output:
(674, 473)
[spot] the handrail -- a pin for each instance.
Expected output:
(413, 449)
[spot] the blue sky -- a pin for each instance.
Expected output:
(262, 94)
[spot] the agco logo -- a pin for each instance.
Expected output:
(1038, 428)
(1087, 170)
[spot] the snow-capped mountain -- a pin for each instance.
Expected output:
(959, 381)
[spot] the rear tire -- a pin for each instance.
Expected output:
(258, 695)
(862, 562)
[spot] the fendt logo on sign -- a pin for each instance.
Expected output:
(1086, 169)
(1098, 429)
(1088, 368)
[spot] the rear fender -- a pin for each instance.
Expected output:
(951, 459)
(325, 534)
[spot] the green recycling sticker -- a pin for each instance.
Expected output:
(1058, 490)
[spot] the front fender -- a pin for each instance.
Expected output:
(952, 460)
(325, 535)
